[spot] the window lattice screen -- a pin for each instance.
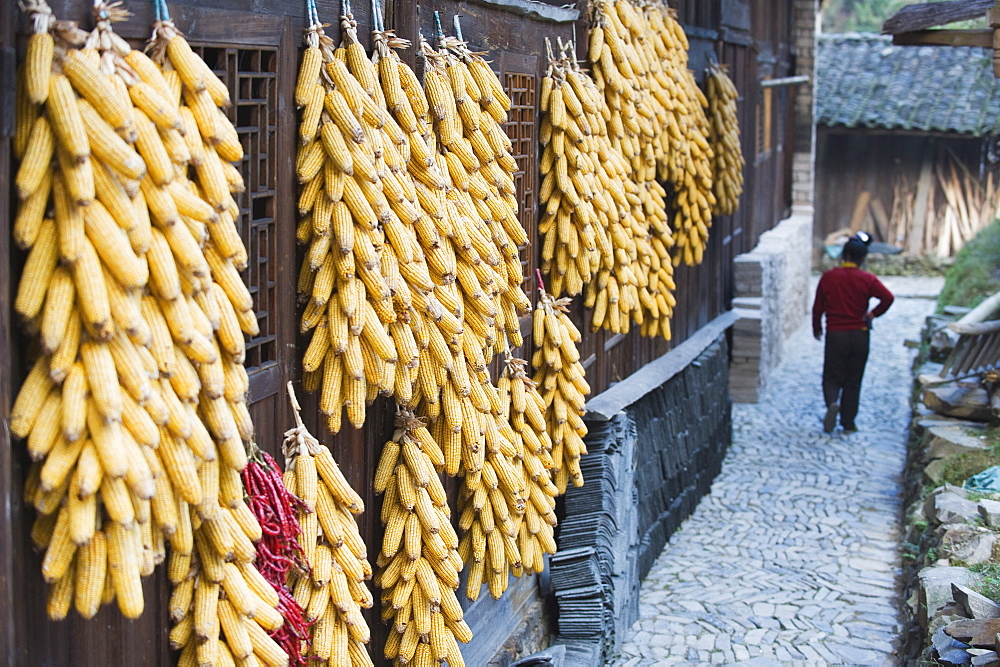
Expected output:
(520, 124)
(251, 76)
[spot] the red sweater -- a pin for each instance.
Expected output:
(843, 294)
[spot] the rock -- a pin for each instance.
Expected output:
(969, 544)
(942, 342)
(929, 376)
(934, 589)
(949, 649)
(929, 369)
(943, 620)
(959, 401)
(927, 418)
(950, 504)
(988, 659)
(990, 511)
(943, 441)
(553, 656)
(976, 605)
(934, 471)
(981, 633)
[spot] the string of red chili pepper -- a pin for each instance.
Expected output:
(278, 550)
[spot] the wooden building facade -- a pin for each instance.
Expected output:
(906, 140)
(254, 45)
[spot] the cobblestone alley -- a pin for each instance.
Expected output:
(793, 556)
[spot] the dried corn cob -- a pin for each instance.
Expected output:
(724, 138)
(419, 564)
(331, 590)
(559, 377)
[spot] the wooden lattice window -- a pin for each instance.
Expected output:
(251, 74)
(520, 127)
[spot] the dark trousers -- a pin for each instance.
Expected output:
(844, 359)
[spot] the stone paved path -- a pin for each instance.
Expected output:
(792, 558)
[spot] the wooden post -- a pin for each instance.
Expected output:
(993, 20)
(860, 209)
(881, 218)
(915, 234)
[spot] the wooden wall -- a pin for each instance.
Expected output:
(860, 175)
(254, 45)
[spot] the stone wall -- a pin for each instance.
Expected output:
(804, 49)
(647, 468)
(771, 298)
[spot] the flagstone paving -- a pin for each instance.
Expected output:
(793, 556)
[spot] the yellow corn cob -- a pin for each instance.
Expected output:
(154, 106)
(37, 272)
(95, 87)
(123, 566)
(108, 146)
(38, 154)
(113, 247)
(64, 115)
(37, 386)
(38, 66)
(31, 213)
(91, 570)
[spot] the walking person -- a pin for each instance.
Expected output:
(843, 295)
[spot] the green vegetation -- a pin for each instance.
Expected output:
(868, 15)
(975, 274)
(960, 467)
(990, 586)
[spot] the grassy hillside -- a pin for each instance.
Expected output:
(975, 274)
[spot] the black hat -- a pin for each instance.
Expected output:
(864, 237)
(856, 248)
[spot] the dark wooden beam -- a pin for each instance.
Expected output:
(930, 14)
(981, 38)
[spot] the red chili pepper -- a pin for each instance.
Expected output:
(278, 550)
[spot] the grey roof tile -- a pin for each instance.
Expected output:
(862, 80)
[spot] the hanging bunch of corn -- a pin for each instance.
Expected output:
(656, 121)
(559, 376)
(370, 291)
(138, 398)
(419, 564)
(478, 212)
(536, 527)
(467, 104)
(500, 536)
(223, 610)
(694, 198)
(436, 325)
(591, 196)
(233, 599)
(492, 498)
(636, 284)
(724, 137)
(331, 589)
(683, 156)
(578, 210)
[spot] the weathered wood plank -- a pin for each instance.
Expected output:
(940, 37)
(8, 469)
(915, 236)
(881, 217)
(860, 209)
(930, 14)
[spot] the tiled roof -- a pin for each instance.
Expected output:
(862, 80)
